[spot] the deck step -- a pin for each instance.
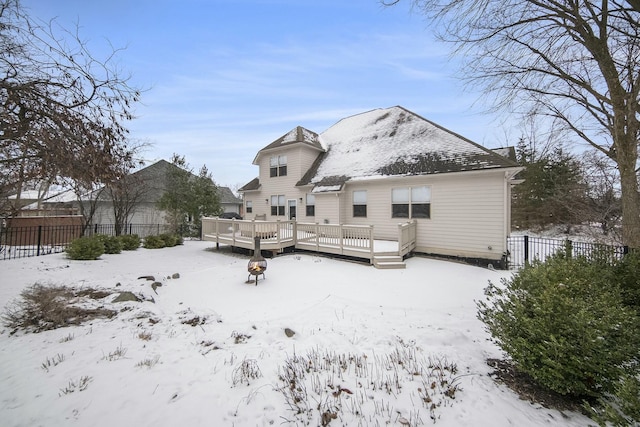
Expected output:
(388, 262)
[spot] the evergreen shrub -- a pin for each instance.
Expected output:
(564, 323)
(171, 239)
(85, 248)
(627, 273)
(622, 407)
(130, 242)
(154, 242)
(112, 244)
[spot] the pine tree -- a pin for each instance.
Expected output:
(553, 191)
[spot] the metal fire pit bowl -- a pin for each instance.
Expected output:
(257, 264)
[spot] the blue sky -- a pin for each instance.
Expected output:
(227, 77)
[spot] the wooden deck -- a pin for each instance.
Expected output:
(350, 240)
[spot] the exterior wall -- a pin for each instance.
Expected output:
(144, 213)
(299, 160)
(469, 212)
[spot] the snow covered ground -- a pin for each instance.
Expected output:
(208, 349)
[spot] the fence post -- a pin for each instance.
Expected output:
(39, 240)
(526, 249)
(568, 248)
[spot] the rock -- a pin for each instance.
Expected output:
(175, 276)
(156, 285)
(150, 278)
(289, 332)
(126, 296)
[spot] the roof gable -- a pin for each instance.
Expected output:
(227, 197)
(297, 135)
(395, 142)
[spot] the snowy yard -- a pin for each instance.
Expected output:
(206, 348)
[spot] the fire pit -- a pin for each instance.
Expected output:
(257, 264)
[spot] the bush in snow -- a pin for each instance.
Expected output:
(112, 244)
(564, 323)
(85, 248)
(130, 242)
(162, 241)
(622, 407)
(627, 273)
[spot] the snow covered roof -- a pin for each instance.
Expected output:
(296, 135)
(227, 196)
(382, 143)
(394, 142)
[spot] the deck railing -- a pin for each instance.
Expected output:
(343, 239)
(407, 233)
(336, 238)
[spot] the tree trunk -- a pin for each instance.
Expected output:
(630, 195)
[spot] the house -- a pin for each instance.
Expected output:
(229, 202)
(146, 187)
(385, 167)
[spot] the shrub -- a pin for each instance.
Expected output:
(171, 239)
(622, 407)
(112, 244)
(130, 242)
(85, 248)
(154, 242)
(626, 273)
(162, 241)
(564, 323)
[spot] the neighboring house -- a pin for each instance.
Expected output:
(228, 201)
(45, 202)
(147, 185)
(384, 167)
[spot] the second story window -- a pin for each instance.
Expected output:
(278, 166)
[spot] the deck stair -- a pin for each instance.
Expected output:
(388, 260)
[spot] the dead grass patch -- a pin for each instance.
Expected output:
(46, 307)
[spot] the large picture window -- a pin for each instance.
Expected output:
(311, 205)
(360, 204)
(411, 202)
(278, 205)
(278, 166)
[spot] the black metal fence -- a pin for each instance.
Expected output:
(525, 249)
(20, 242)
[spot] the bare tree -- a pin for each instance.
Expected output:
(126, 194)
(62, 111)
(575, 61)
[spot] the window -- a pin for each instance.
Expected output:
(249, 206)
(400, 203)
(421, 202)
(278, 166)
(277, 205)
(311, 205)
(360, 204)
(414, 202)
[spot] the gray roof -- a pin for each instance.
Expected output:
(227, 196)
